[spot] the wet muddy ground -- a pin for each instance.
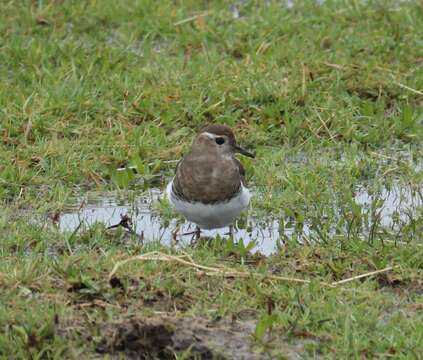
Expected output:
(162, 336)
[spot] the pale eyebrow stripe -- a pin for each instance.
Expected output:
(210, 135)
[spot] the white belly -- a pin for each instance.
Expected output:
(211, 216)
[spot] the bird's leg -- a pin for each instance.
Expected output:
(196, 235)
(196, 232)
(231, 231)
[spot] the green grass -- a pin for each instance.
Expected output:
(328, 95)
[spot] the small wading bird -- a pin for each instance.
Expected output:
(209, 187)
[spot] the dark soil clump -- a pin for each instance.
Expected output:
(163, 337)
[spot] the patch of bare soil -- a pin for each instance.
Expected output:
(163, 337)
(399, 285)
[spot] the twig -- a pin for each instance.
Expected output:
(28, 129)
(388, 171)
(191, 18)
(158, 256)
(389, 268)
(324, 124)
(399, 242)
(125, 222)
(98, 302)
(244, 274)
(303, 80)
(409, 88)
(135, 168)
(334, 66)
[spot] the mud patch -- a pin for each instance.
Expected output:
(163, 337)
(399, 285)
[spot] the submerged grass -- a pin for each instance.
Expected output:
(330, 96)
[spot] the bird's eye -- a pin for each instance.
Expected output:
(220, 140)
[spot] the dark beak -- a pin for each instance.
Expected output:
(242, 151)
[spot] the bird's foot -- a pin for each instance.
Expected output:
(196, 234)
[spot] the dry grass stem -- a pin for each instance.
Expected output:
(230, 273)
(191, 18)
(409, 88)
(371, 273)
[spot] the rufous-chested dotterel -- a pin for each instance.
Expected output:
(209, 187)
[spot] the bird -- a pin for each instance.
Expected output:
(209, 187)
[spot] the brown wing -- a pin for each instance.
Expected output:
(199, 178)
(176, 186)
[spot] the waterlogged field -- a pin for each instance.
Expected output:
(98, 101)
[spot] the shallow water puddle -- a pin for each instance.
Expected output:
(108, 210)
(397, 204)
(394, 208)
